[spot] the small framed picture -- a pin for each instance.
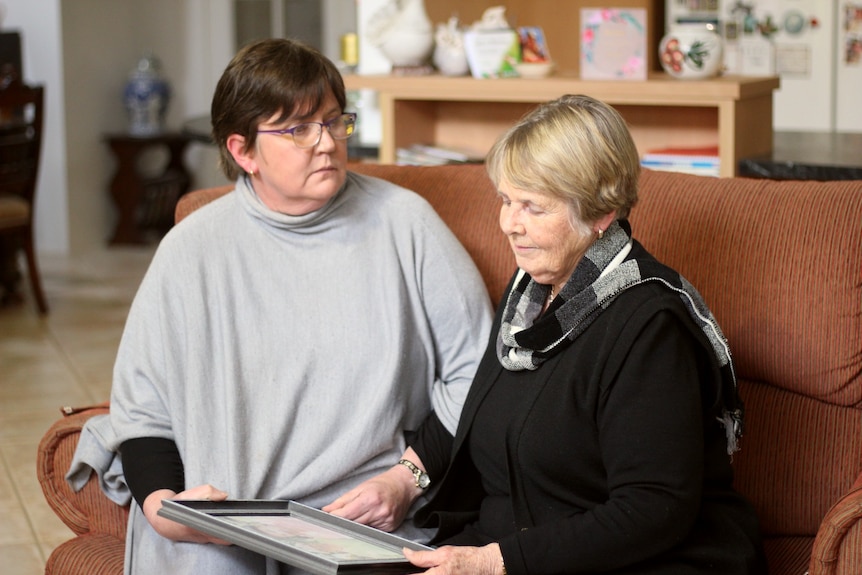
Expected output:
(534, 48)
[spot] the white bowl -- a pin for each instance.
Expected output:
(534, 69)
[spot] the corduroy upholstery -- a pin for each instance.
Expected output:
(98, 523)
(779, 263)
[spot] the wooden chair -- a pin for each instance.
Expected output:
(21, 112)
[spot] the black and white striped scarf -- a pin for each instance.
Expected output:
(527, 338)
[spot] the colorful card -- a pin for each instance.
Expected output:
(613, 44)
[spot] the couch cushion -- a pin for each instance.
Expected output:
(788, 555)
(811, 450)
(779, 263)
(14, 211)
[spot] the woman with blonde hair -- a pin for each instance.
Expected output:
(597, 434)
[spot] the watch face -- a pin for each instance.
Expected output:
(423, 480)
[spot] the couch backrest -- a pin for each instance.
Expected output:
(780, 265)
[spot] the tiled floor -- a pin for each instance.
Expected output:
(64, 359)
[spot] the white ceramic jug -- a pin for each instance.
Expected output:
(403, 32)
(691, 51)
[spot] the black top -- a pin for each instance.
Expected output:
(607, 458)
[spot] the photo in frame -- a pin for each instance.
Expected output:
(297, 535)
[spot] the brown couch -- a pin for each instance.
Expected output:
(780, 263)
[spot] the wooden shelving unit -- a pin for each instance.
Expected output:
(734, 113)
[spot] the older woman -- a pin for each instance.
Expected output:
(289, 336)
(597, 434)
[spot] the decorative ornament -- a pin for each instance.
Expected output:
(146, 96)
(402, 31)
(450, 57)
(691, 51)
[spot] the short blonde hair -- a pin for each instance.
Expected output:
(576, 149)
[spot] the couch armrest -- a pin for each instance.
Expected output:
(838, 545)
(88, 510)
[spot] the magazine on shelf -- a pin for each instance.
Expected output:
(428, 155)
(296, 534)
(702, 161)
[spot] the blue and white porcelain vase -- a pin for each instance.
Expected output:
(146, 96)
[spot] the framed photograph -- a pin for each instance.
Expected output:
(534, 48)
(297, 535)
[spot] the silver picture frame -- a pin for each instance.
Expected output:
(297, 534)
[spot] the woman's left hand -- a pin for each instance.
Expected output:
(382, 501)
(451, 560)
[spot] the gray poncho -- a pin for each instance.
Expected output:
(287, 355)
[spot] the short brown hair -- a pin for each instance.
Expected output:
(267, 77)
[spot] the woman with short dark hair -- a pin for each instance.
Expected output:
(291, 335)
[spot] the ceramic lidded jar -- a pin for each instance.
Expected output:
(146, 96)
(691, 51)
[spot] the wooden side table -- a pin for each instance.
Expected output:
(146, 201)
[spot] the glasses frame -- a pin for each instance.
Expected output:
(320, 125)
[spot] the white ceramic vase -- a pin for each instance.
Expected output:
(449, 56)
(403, 32)
(691, 51)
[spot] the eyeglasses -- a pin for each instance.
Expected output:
(307, 135)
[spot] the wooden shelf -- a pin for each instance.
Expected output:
(732, 112)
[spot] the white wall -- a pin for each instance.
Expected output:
(209, 46)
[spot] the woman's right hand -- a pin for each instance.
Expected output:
(452, 560)
(177, 531)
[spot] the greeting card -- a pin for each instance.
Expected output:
(613, 44)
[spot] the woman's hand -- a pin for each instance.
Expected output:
(382, 501)
(451, 560)
(177, 531)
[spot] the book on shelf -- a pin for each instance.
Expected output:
(701, 160)
(435, 155)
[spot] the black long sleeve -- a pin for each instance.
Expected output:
(432, 442)
(150, 464)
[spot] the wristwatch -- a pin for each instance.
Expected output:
(422, 479)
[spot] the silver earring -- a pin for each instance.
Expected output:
(601, 233)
